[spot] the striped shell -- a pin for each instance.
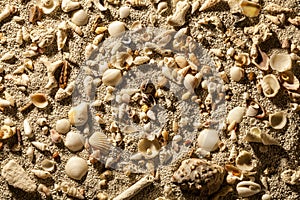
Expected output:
(99, 141)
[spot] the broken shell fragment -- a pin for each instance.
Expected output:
(290, 81)
(148, 148)
(281, 62)
(208, 139)
(74, 141)
(100, 142)
(116, 28)
(268, 139)
(208, 4)
(80, 18)
(48, 6)
(278, 120)
(27, 128)
(250, 8)
(68, 5)
(39, 100)
(6, 132)
(76, 168)
(48, 165)
(244, 161)
(254, 135)
(270, 85)
(291, 177)
(247, 188)
(78, 115)
(178, 18)
(236, 114)
(112, 77)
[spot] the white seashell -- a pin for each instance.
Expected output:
(149, 148)
(41, 174)
(39, 100)
(139, 60)
(244, 161)
(8, 10)
(270, 85)
(48, 165)
(98, 39)
(208, 4)
(6, 132)
(68, 5)
(236, 114)
(4, 103)
(27, 128)
(78, 115)
(162, 7)
(195, 6)
(76, 168)
(63, 126)
(39, 145)
(112, 77)
(278, 120)
(61, 36)
(116, 28)
(281, 62)
(100, 142)
(55, 136)
(75, 28)
(181, 61)
(8, 122)
(30, 153)
(80, 18)
(19, 37)
(247, 188)
(47, 6)
(208, 139)
(124, 12)
(74, 141)
(44, 189)
(236, 73)
(7, 56)
(190, 82)
(41, 121)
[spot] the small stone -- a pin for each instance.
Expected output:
(16, 176)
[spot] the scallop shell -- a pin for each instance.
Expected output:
(278, 120)
(48, 165)
(47, 6)
(270, 85)
(149, 148)
(112, 77)
(76, 168)
(39, 100)
(80, 18)
(281, 62)
(100, 142)
(78, 115)
(247, 188)
(116, 28)
(208, 139)
(74, 141)
(244, 161)
(62, 126)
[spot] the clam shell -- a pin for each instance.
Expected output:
(244, 161)
(149, 148)
(47, 6)
(112, 77)
(78, 115)
(116, 28)
(62, 126)
(278, 120)
(281, 62)
(236, 114)
(80, 18)
(236, 73)
(247, 188)
(48, 165)
(76, 168)
(74, 141)
(124, 12)
(100, 142)
(208, 139)
(270, 85)
(39, 100)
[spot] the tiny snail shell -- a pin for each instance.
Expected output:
(41, 174)
(63, 126)
(80, 18)
(116, 28)
(247, 188)
(112, 77)
(74, 141)
(39, 145)
(124, 12)
(76, 168)
(41, 121)
(39, 100)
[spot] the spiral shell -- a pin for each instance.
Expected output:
(270, 85)
(48, 6)
(76, 168)
(41, 174)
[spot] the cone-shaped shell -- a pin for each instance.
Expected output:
(268, 139)
(100, 142)
(149, 148)
(278, 120)
(270, 85)
(39, 100)
(76, 168)
(281, 62)
(80, 18)
(78, 115)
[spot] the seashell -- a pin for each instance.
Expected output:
(27, 128)
(236, 73)
(266, 197)
(270, 85)
(44, 189)
(278, 120)
(19, 37)
(116, 28)
(268, 139)
(30, 153)
(75, 28)
(6, 132)
(281, 62)
(102, 196)
(291, 177)
(74, 141)
(124, 12)
(8, 10)
(41, 174)
(254, 135)
(264, 63)
(290, 81)
(55, 136)
(76, 168)
(236, 114)
(78, 115)
(68, 5)
(137, 25)
(8, 122)
(247, 188)
(9, 98)
(39, 100)
(80, 18)
(244, 161)
(61, 35)
(249, 8)
(149, 148)
(242, 59)
(48, 165)
(41, 121)
(100, 142)
(208, 4)
(195, 6)
(295, 21)
(4, 103)
(275, 8)
(7, 56)
(39, 145)
(208, 139)
(162, 7)
(181, 61)
(48, 6)
(63, 126)
(190, 82)
(139, 60)
(112, 77)
(98, 39)
(178, 18)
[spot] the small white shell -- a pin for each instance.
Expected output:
(208, 139)
(39, 145)
(78, 115)
(27, 128)
(112, 77)
(68, 5)
(74, 141)
(236, 114)
(41, 174)
(7, 56)
(236, 73)
(41, 121)
(254, 135)
(278, 120)
(39, 100)
(244, 161)
(190, 82)
(80, 18)
(270, 85)
(30, 153)
(63, 126)
(149, 148)
(247, 188)
(47, 6)
(76, 168)
(100, 142)
(48, 165)
(139, 60)
(124, 12)
(281, 62)
(116, 28)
